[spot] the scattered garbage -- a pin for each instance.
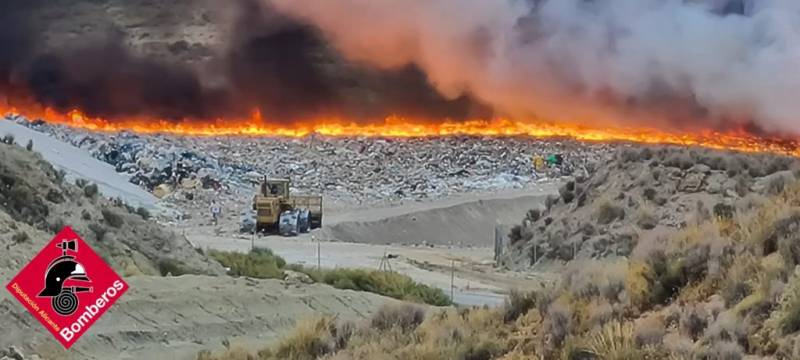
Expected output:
(357, 171)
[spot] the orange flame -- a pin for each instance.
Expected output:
(407, 128)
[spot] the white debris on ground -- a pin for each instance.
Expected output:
(190, 172)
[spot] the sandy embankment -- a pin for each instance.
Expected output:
(177, 317)
(458, 231)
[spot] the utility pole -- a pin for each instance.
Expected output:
(319, 256)
(253, 239)
(452, 279)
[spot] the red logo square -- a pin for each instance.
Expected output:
(67, 286)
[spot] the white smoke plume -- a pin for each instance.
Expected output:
(717, 62)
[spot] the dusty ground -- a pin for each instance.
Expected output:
(431, 239)
(177, 317)
(160, 316)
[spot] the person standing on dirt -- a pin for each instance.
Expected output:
(215, 212)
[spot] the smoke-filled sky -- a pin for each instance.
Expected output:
(680, 62)
(265, 61)
(720, 61)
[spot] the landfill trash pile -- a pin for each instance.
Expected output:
(347, 171)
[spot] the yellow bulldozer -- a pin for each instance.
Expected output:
(278, 212)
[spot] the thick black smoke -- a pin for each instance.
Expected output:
(280, 66)
(17, 35)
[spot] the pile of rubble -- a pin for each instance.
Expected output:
(353, 171)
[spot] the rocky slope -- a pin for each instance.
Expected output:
(161, 316)
(36, 202)
(640, 195)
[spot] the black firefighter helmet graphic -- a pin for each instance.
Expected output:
(61, 270)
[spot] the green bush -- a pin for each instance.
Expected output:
(264, 264)
(385, 283)
(259, 263)
(144, 213)
(90, 190)
(172, 267)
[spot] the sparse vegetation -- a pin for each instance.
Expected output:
(8, 139)
(721, 286)
(173, 267)
(404, 317)
(144, 213)
(646, 218)
(99, 231)
(607, 212)
(90, 190)
(259, 263)
(112, 218)
(263, 263)
(20, 237)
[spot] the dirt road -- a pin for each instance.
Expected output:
(433, 242)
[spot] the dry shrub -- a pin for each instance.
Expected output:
(649, 331)
(777, 184)
(235, 353)
(91, 190)
(740, 279)
(726, 327)
(757, 228)
(310, 340)
(646, 218)
(637, 285)
(558, 322)
(614, 341)
(649, 194)
(471, 334)
(724, 211)
(720, 350)
(606, 212)
(517, 304)
(679, 347)
(787, 233)
(112, 218)
(787, 318)
(406, 317)
(516, 234)
(588, 279)
(693, 321)
(679, 160)
(20, 237)
(567, 192)
(599, 312)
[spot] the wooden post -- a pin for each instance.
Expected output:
(253, 239)
(498, 244)
(452, 279)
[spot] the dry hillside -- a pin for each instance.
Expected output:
(36, 202)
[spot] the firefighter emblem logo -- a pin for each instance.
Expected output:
(64, 278)
(67, 287)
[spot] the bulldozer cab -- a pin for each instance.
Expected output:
(275, 188)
